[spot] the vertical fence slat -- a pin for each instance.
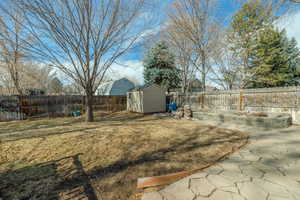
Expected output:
(15, 107)
(255, 99)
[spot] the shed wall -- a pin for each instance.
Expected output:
(154, 100)
(135, 101)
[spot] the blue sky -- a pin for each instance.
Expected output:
(226, 9)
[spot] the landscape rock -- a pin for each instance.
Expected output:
(179, 114)
(187, 112)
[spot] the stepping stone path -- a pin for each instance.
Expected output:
(268, 168)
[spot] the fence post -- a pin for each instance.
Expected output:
(82, 104)
(19, 104)
(241, 103)
(202, 100)
(47, 103)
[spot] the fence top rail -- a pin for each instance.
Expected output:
(262, 90)
(60, 96)
(247, 91)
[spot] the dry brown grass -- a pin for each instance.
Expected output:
(65, 158)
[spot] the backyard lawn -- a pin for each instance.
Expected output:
(66, 158)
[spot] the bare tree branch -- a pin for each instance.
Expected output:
(195, 20)
(83, 38)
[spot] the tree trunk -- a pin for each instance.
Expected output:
(203, 58)
(203, 82)
(183, 87)
(89, 108)
(15, 78)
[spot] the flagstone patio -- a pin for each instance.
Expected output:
(268, 168)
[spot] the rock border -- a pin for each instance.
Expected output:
(272, 121)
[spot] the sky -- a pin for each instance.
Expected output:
(131, 64)
(226, 9)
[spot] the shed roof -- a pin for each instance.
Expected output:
(145, 86)
(141, 87)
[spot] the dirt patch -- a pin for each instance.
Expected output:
(65, 158)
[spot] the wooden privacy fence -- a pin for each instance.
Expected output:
(285, 97)
(22, 107)
(282, 100)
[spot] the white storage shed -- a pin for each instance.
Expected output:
(146, 99)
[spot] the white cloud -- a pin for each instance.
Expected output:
(292, 25)
(131, 69)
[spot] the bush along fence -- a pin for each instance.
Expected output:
(23, 107)
(272, 100)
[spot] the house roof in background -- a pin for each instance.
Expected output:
(116, 87)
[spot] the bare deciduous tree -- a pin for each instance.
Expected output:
(30, 76)
(37, 76)
(182, 49)
(225, 70)
(195, 20)
(274, 7)
(12, 48)
(83, 38)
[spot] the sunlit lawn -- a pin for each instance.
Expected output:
(65, 158)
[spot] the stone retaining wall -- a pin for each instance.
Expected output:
(272, 121)
(270, 100)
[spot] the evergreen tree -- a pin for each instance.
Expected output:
(245, 26)
(274, 59)
(293, 54)
(265, 56)
(249, 20)
(159, 67)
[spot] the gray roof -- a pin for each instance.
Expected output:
(118, 87)
(141, 87)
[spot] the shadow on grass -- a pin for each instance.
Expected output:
(66, 178)
(120, 118)
(189, 144)
(19, 135)
(38, 125)
(43, 181)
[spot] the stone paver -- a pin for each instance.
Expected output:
(202, 187)
(266, 169)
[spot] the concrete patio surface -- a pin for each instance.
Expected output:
(268, 168)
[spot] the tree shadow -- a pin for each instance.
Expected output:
(121, 117)
(21, 136)
(189, 144)
(67, 179)
(39, 125)
(11, 136)
(48, 181)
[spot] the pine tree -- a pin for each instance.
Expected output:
(293, 53)
(159, 67)
(266, 57)
(274, 59)
(245, 26)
